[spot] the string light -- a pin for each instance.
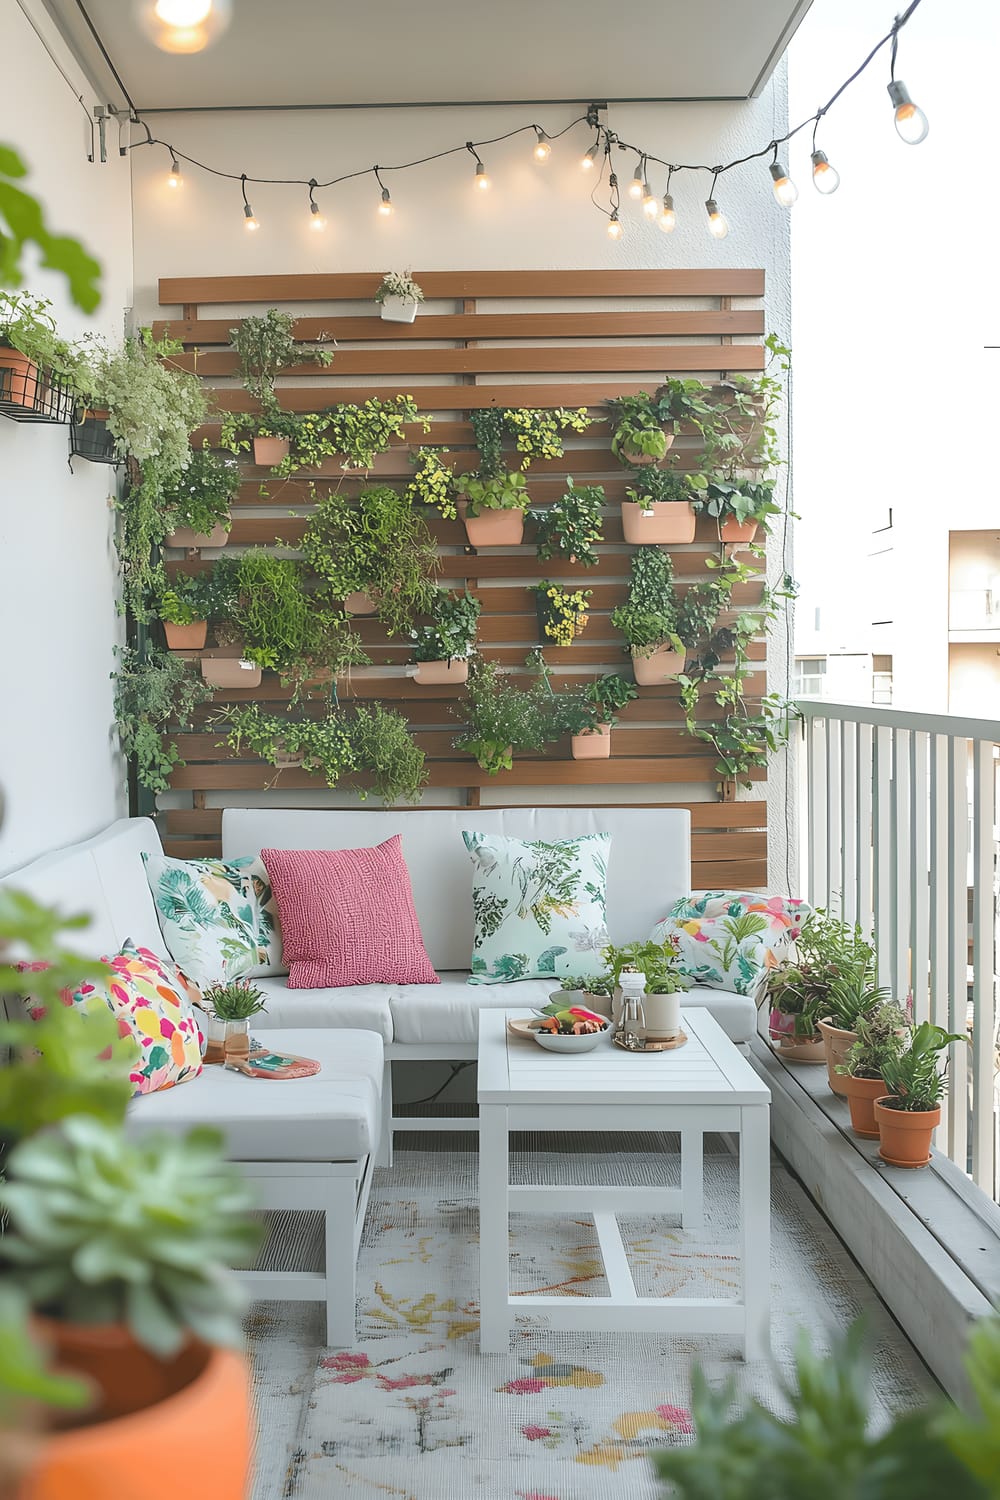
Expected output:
(826, 179)
(184, 26)
(386, 206)
(543, 148)
(668, 218)
(717, 224)
(482, 176)
(650, 205)
(636, 185)
(316, 219)
(909, 119)
(589, 157)
(783, 188)
(174, 179)
(614, 226)
(249, 222)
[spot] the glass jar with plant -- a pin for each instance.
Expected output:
(398, 296)
(384, 748)
(153, 692)
(649, 618)
(562, 613)
(231, 1006)
(442, 648)
(570, 527)
(493, 508)
(640, 436)
(500, 719)
(880, 1038)
(910, 1110)
(197, 505)
(433, 482)
(538, 434)
(42, 375)
(658, 510)
(376, 555)
(265, 347)
(355, 433)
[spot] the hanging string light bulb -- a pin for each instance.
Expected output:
(783, 187)
(668, 218)
(250, 224)
(651, 206)
(174, 178)
(717, 224)
(386, 207)
(636, 185)
(543, 147)
(183, 26)
(614, 226)
(826, 179)
(909, 119)
(316, 219)
(482, 176)
(589, 157)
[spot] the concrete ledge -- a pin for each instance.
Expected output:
(916, 1244)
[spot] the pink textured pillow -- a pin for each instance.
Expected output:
(347, 917)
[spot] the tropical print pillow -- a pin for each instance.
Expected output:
(152, 1003)
(269, 946)
(209, 916)
(540, 908)
(729, 939)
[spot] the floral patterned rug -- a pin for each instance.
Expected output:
(416, 1413)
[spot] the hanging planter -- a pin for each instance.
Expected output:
(190, 540)
(493, 508)
(358, 602)
(592, 744)
(658, 522)
(562, 613)
(30, 393)
(230, 672)
(656, 665)
(398, 297)
(90, 438)
(434, 673)
(190, 637)
(398, 310)
(493, 528)
(269, 451)
(736, 531)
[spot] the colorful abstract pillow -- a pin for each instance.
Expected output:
(540, 907)
(729, 939)
(209, 915)
(153, 1004)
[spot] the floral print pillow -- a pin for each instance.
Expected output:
(540, 908)
(269, 950)
(729, 939)
(153, 1005)
(209, 914)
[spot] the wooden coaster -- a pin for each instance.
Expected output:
(651, 1046)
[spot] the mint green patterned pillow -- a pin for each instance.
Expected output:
(540, 908)
(209, 916)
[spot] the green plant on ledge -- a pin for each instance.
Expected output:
(265, 346)
(28, 325)
(238, 429)
(433, 482)
(571, 526)
(882, 1035)
(649, 618)
(356, 433)
(500, 719)
(236, 1001)
(202, 493)
(151, 693)
(324, 744)
(913, 1081)
(639, 429)
(186, 598)
(585, 710)
(503, 491)
(652, 486)
(562, 613)
(827, 951)
(741, 500)
(451, 635)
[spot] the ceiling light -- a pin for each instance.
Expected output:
(182, 26)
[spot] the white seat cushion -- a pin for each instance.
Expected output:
(332, 1116)
(365, 1007)
(736, 1014)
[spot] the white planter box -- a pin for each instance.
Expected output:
(398, 309)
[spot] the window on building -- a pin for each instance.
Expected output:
(882, 681)
(810, 676)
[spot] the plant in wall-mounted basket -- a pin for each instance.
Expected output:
(442, 648)
(42, 375)
(398, 297)
(376, 555)
(570, 527)
(320, 746)
(265, 347)
(910, 1110)
(658, 509)
(738, 505)
(642, 433)
(357, 434)
(562, 613)
(587, 715)
(493, 508)
(151, 693)
(197, 506)
(648, 620)
(268, 433)
(500, 718)
(538, 434)
(433, 482)
(880, 1038)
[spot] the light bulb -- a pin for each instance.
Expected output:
(482, 178)
(717, 225)
(543, 149)
(587, 160)
(385, 207)
(249, 222)
(182, 12)
(174, 179)
(784, 188)
(910, 120)
(635, 187)
(826, 179)
(183, 26)
(668, 219)
(316, 219)
(650, 205)
(614, 226)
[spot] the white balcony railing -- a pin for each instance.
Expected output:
(899, 818)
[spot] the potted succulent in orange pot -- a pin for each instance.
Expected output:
(442, 649)
(649, 618)
(880, 1039)
(909, 1111)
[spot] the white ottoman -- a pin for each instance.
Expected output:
(305, 1143)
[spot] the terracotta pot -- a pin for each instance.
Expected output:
(185, 537)
(186, 637)
(431, 673)
(801, 1049)
(592, 744)
(204, 1413)
(125, 1376)
(659, 665)
(861, 1094)
(269, 451)
(493, 528)
(905, 1134)
(360, 603)
(836, 1044)
(229, 672)
(20, 386)
(738, 531)
(659, 522)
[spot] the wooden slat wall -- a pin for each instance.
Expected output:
(545, 339)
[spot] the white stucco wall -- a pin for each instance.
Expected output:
(58, 766)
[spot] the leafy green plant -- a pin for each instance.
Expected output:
(324, 744)
(383, 746)
(265, 346)
(746, 739)
(399, 284)
(571, 526)
(505, 491)
(881, 1035)
(679, 401)
(451, 635)
(855, 995)
(273, 611)
(238, 429)
(236, 1001)
(562, 612)
(357, 433)
(28, 325)
(602, 985)
(741, 500)
(186, 598)
(22, 223)
(538, 434)
(499, 718)
(639, 428)
(610, 693)
(828, 951)
(433, 482)
(202, 493)
(652, 486)
(656, 960)
(153, 692)
(914, 1081)
(488, 425)
(106, 1229)
(379, 545)
(649, 618)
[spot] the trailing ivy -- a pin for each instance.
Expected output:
(152, 693)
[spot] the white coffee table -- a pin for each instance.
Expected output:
(706, 1085)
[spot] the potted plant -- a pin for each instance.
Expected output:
(268, 434)
(232, 1006)
(593, 991)
(908, 1113)
(640, 437)
(265, 347)
(384, 748)
(661, 1004)
(588, 715)
(493, 509)
(570, 527)
(499, 718)
(322, 747)
(648, 620)
(433, 482)
(538, 433)
(657, 510)
(562, 613)
(853, 994)
(739, 506)
(879, 1040)
(355, 433)
(398, 296)
(828, 952)
(376, 555)
(153, 691)
(184, 606)
(197, 505)
(42, 375)
(442, 648)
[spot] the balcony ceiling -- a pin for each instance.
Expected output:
(326, 52)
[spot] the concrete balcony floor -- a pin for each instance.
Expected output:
(414, 1410)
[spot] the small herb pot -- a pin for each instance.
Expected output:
(661, 664)
(268, 451)
(358, 602)
(861, 1094)
(230, 672)
(837, 1044)
(732, 530)
(433, 673)
(659, 523)
(493, 528)
(237, 1043)
(398, 309)
(186, 637)
(599, 1003)
(905, 1133)
(188, 539)
(592, 744)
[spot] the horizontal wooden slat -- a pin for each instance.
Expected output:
(438, 745)
(738, 875)
(330, 286)
(551, 359)
(725, 845)
(433, 398)
(697, 322)
(401, 688)
(547, 476)
(514, 641)
(620, 771)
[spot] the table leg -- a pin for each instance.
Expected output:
(692, 1179)
(755, 1225)
(494, 1230)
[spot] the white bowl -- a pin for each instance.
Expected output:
(554, 1041)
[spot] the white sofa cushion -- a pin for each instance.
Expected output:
(332, 1116)
(449, 1011)
(364, 1006)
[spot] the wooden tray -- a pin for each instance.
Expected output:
(677, 1041)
